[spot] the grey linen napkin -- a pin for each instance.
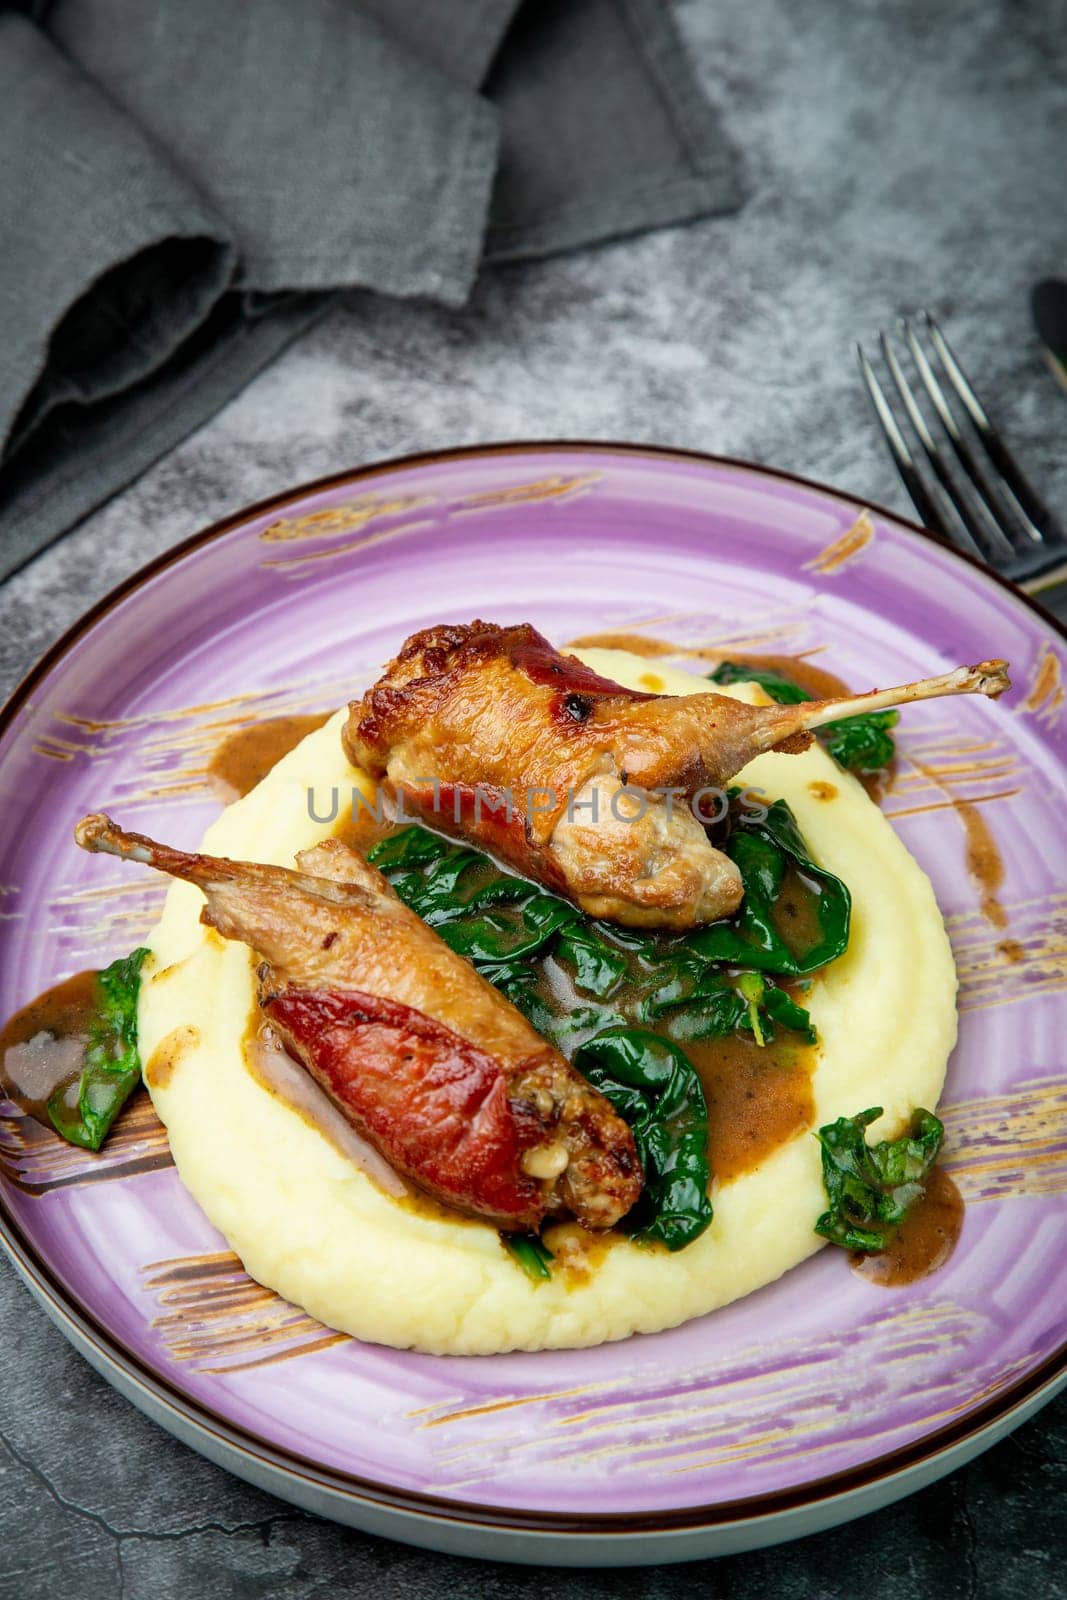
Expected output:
(183, 188)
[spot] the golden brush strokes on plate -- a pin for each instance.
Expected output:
(288, 563)
(115, 914)
(358, 514)
(35, 1160)
(507, 1404)
(174, 754)
(346, 517)
(350, 516)
(995, 970)
(715, 638)
(646, 645)
(557, 488)
(252, 704)
(782, 1402)
(952, 803)
(1009, 1145)
(845, 548)
(939, 759)
(1046, 695)
(216, 1318)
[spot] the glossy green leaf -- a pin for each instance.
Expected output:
(871, 1188)
(597, 968)
(531, 1253)
(652, 1084)
(765, 850)
(778, 687)
(863, 743)
(112, 1065)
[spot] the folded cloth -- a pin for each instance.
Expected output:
(184, 188)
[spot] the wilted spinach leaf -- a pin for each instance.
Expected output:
(112, 1066)
(531, 1253)
(653, 1085)
(778, 687)
(864, 743)
(871, 1188)
(765, 850)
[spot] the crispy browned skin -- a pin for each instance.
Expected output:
(469, 716)
(424, 1057)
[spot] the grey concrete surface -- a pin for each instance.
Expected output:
(899, 154)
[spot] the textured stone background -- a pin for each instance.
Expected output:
(900, 154)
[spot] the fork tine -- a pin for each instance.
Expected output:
(976, 533)
(929, 513)
(1040, 517)
(999, 512)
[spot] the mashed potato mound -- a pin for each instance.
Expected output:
(308, 1223)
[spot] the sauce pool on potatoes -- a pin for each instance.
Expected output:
(245, 757)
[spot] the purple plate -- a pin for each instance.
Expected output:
(818, 1398)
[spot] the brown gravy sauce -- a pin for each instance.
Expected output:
(821, 685)
(923, 1242)
(984, 861)
(361, 830)
(638, 644)
(758, 1098)
(578, 1251)
(985, 864)
(42, 1047)
(246, 756)
(794, 915)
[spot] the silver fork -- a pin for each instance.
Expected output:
(973, 492)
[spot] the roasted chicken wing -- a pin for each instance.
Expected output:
(490, 733)
(424, 1058)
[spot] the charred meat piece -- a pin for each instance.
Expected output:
(424, 1058)
(490, 733)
